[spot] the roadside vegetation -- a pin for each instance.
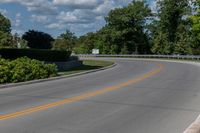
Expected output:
(25, 69)
(87, 65)
(170, 28)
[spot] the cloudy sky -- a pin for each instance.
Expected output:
(55, 16)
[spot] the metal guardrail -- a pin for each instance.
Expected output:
(183, 57)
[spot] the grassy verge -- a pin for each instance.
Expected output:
(87, 65)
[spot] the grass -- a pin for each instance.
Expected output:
(87, 65)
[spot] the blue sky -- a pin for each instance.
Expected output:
(55, 16)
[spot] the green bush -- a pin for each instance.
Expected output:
(25, 69)
(38, 54)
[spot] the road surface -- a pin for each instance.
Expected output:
(133, 97)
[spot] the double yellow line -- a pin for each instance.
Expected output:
(82, 96)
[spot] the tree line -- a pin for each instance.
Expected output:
(173, 28)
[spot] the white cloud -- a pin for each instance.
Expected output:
(80, 16)
(3, 11)
(55, 26)
(17, 21)
(40, 18)
(68, 17)
(80, 4)
(105, 7)
(77, 16)
(18, 15)
(83, 15)
(41, 6)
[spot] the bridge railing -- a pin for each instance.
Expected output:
(185, 57)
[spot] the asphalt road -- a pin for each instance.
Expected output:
(133, 97)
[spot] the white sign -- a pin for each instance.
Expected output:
(95, 51)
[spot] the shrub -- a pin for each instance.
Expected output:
(25, 69)
(38, 54)
(38, 40)
(5, 73)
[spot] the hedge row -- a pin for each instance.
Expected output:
(38, 54)
(24, 69)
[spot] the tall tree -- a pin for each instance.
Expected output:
(38, 40)
(161, 45)
(130, 23)
(5, 25)
(86, 43)
(184, 41)
(124, 32)
(108, 41)
(6, 40)
(171, 14)
(196, 28)
(66, 41)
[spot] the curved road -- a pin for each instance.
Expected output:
(133, 97)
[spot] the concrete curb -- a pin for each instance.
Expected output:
(54, 78)
(194, 127)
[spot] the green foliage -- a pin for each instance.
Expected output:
(196, 26)
(61, 44)
(38, 40)
(108, 41)
(161, 45)
(182, 47)
(23, 44)
(195, 19)
(5, 24)
(19, 42)
(24, 69)
(172, 15)
(129, 17)
(39, 54)
(183, 44)
(124, 50)
(123, 33)
(129, 22)
(86, 43)
(128, 30)
(6, 40)
(65, 41)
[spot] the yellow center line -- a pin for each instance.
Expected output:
(82, 96)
